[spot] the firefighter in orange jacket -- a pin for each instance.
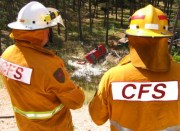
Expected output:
(141, 93)
(39, 86)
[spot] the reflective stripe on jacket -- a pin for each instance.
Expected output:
(38, 115)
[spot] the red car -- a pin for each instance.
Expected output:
(97, 53)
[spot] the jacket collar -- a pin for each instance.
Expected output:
(36, 47)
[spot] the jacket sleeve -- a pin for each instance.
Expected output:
(98, 108)
(65, 90)
(72, 98)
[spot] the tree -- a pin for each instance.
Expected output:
(79, 20)
(65, 20)
(95, 3)
(90, 17)
(107, 22)
(122, 12)
(132, 6)
(174, 27)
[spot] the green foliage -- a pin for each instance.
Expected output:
(175, 52)
(178, 24)
(176, 58)
(3, 19)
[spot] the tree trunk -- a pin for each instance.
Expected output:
(170, 9)
(174, 27)
(122, 13)
(96, 8)
(131, 7)
(79, 15)
(165, 5)
(56, 4)
(116, 10)
(105, 17)
(90, 17)
(65, 20)
(74, 5)
(107, 22)
(153, 2)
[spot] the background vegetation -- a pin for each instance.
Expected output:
(90, 22)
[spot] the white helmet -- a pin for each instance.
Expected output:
(35, 16)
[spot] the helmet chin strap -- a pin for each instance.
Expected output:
(51, 35)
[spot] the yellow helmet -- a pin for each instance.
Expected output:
(149, 22)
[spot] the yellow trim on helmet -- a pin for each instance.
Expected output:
(51, 16)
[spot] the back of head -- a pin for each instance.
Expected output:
(148, 39)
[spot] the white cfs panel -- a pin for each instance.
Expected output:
(145, 91)
(15, 72)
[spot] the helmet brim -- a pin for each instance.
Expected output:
(148, 33)
(19, 26)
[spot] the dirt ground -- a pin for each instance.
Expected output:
(81, 118)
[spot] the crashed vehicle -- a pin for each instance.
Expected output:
(96, 54)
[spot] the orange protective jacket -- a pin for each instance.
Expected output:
(137, 115)
(50, 85)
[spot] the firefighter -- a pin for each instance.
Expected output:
(39, 86)
(141, 93)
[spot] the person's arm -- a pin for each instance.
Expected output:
(73, 97)
(98, 107)
(64, 88)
